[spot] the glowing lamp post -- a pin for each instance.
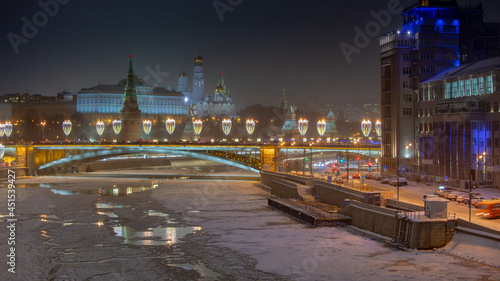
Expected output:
(226, 126)
(197, 126)
(303, 124)
(66, 125)
(99, 126)
(366, 127)
(8, 129)
(170, 124)
(2, 130)
(117, 126)
(250, 125)
(146, 126)
(378, 128)
(321, 126)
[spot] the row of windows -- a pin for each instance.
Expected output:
(433, 28)
(143, 110)
(472, 87)
(443, 43)
(423, 69)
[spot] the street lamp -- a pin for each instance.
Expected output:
(2, 151)
(366, 127)
(378, 128)
(321, 126)
(483, 157)
(397, 168)
(43, 123)
(99, 126)
(250, 125)
(117, 126)
(170, 125)
(66, 125)
(226, 126)
(197, 126)
(146, 126)
(8, 129)
(303, 124)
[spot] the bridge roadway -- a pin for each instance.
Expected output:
(249, 157)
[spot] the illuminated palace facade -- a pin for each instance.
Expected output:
(108, 99)
(436, 35)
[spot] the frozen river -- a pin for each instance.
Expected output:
(74, 228)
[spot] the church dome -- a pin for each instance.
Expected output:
(219, 88)
(198, 59)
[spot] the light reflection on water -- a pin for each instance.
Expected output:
(153, 236)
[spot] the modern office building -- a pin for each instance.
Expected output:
(458, 117)
(435, 36)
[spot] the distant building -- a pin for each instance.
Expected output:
(5, 112)
(359, 112)
(221, 105)
(331, 127)
(290, 129)
(204, 105)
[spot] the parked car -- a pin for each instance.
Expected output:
(378, 177)
(401, 182)
(460, 198)
(475, 199)
(356, 176)
(385, 180)
(300, 173)
(338, 180)
(444, 192)
(451, 196)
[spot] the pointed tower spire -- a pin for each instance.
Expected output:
(222, 83)
(130, 85)
(130, 69)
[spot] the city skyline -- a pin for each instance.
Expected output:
(260, 47)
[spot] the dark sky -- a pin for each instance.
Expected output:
(262, 46)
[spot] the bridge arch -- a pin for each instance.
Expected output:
(102, 154)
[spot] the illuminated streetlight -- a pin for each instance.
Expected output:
(226, 126)
(250, 124)
(170, 124)
(67, 127)
(303, 123)
(117, 126)
(366, 127)
(321, 126)
(43, 123)
(8, 129)
(378, 128)
(146, 126)
(100, 127)
(197, 126)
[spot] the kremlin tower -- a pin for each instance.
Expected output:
(130, 114)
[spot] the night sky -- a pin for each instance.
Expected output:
(260, 46)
